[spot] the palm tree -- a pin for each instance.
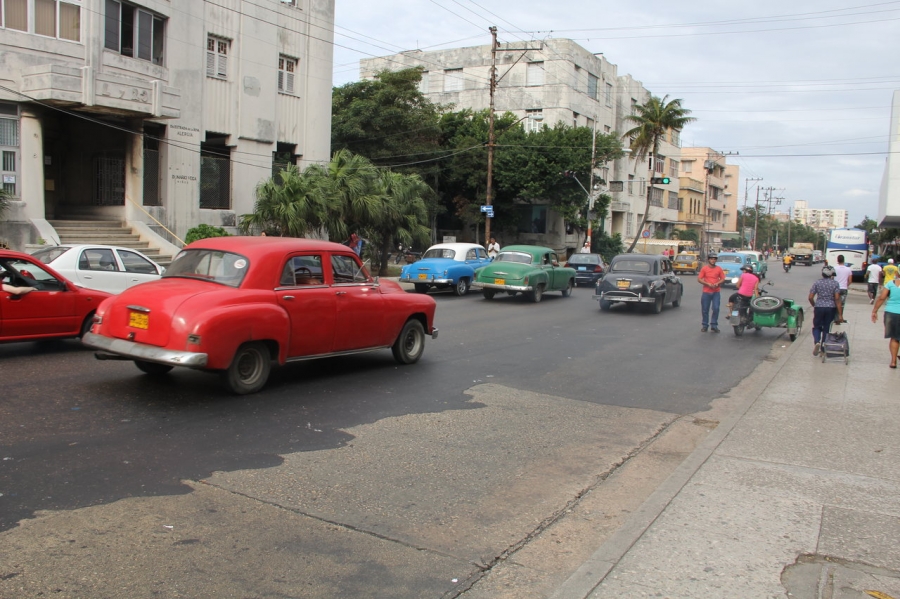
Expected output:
(653, 120)
(294, 206)
(403, 214)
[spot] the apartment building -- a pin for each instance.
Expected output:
(708, 195)
(158, 112)
(546, 82)
(821, 219)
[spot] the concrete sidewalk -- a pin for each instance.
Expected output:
(796, 494)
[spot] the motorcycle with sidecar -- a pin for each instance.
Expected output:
(766, 310)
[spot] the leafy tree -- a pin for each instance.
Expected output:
(653, 120)
(528, 168)
(204, 232)
(607, 246)
(5, 198)
(687, 235)
(387, 120)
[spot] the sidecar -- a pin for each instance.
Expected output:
(771, 311)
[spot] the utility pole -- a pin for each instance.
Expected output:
(744, 212)
(489, 194)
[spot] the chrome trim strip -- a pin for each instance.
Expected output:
(139, 309)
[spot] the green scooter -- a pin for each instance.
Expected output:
(766, 310)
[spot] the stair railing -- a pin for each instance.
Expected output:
(169, 234)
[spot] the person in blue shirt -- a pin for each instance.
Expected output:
(890, 299)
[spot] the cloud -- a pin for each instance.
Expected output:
(859, 193)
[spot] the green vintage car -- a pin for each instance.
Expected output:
(528, 269)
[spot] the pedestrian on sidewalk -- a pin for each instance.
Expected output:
(873, 278)
(890, 271)
(711, 276)
(825, 298)
(843, 274)
(890, 299)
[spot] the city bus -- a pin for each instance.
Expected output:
(853, 245)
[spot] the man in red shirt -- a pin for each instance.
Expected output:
(711, 277)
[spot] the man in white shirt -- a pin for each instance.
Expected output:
(843, 275)
(493, 248)
(586, 248)
(873, 278)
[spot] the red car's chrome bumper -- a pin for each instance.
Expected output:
(129, 350)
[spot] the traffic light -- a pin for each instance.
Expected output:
(660, 180)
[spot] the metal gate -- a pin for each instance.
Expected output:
(151, 178)
(215, 183)
(109, 180)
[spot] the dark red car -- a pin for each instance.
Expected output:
(235, 304)
(56, 308)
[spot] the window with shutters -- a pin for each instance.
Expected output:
(9, 147)
(534, 74)
(453, 80)
(287, 68)
(217, 57)
(133, 31)
(592, 86)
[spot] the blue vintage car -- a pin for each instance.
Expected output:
(446, 265)
(731, 263)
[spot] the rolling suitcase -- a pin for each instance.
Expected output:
(836, 346)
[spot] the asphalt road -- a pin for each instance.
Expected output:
(350, 476)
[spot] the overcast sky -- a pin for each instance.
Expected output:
(800, 91)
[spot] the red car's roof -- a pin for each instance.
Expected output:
(259, 246)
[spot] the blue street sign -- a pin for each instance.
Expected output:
(487, 208)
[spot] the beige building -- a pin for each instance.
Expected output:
(161, 114)
(708, 196)
(544, 83)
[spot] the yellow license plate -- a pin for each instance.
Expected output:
(622, 284)
(138, 320)
(423, 276)
(499, 281)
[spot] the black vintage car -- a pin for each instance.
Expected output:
(639, 279)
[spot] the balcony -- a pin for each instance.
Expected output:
(101, 92)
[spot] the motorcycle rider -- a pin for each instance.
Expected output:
(787, 262)
(747, 289)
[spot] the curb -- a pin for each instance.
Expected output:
(595, 569)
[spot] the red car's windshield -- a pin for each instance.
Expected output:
(209, 265)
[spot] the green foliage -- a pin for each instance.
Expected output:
(5, 198)
(528, 168)
(687, 235)
(607, 246)
(387, 120)
(652, 121)
(204, 232)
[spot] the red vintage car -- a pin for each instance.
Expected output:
(56, 308)
(235, 304)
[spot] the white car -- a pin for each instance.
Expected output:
(104, 267)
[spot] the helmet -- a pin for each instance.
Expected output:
(828, 272)
(747, 268)
(708, 256)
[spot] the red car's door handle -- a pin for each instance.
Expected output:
(287, 297)
(340, 293)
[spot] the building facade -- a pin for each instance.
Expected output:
(708, 198)
(544, 83)
(160, 113)
(820, 219)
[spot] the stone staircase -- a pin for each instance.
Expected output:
(106, 233)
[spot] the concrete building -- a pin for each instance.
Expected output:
(159, 114)
(544, 83)
(889, 195)
(819, 218)
(708, 198)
